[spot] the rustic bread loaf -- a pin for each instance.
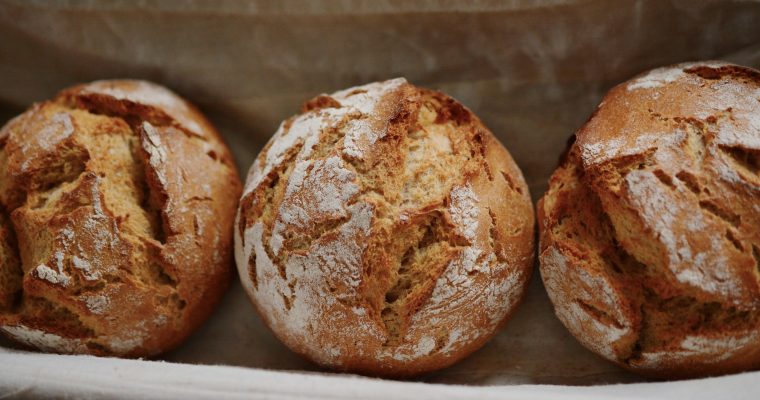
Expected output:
(384, 230)
(118, 201)
(650, 229)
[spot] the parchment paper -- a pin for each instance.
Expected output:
(532, 70)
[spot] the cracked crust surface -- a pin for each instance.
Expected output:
(117, 203)
(384, 230)
(650, 229)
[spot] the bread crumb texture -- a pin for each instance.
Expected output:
(650, 229)
(117, 201)
(384, 230)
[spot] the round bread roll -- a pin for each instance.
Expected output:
(118, 201)
(385, 231)
(650, 229)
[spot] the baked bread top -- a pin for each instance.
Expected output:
(650, 230)
(118, 199)
(384, 230)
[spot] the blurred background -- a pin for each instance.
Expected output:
(532, 70)
(529, 69)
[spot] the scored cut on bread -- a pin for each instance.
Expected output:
(385, 230)
(650, 229)
(118, 199)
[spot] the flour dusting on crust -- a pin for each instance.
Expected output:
(311, 260)
(464, 211)
(301, 300)
(53, 131)
(567, 286)
(672, 157)
(88, 272)
(56, 277)
(156, 151)
(676, 224)
(43, 340)
(709, 350)
(329, 187)
(97, 304)
(469, 280)
(142, 92)
(362, 133)
(305, 129)
(656, 78)
(662, 76)
(597, 153)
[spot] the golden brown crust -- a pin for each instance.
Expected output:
(385, 231)
(650, 238)
(118, 201)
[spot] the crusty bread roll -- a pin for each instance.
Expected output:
(650, 229)
(118, 200)
(384, 230)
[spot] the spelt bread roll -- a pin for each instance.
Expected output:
(650, 229)
(384, 230)
(118, 201)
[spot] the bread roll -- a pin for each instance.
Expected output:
(118, 200)
(650, 229)
(384, 230)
